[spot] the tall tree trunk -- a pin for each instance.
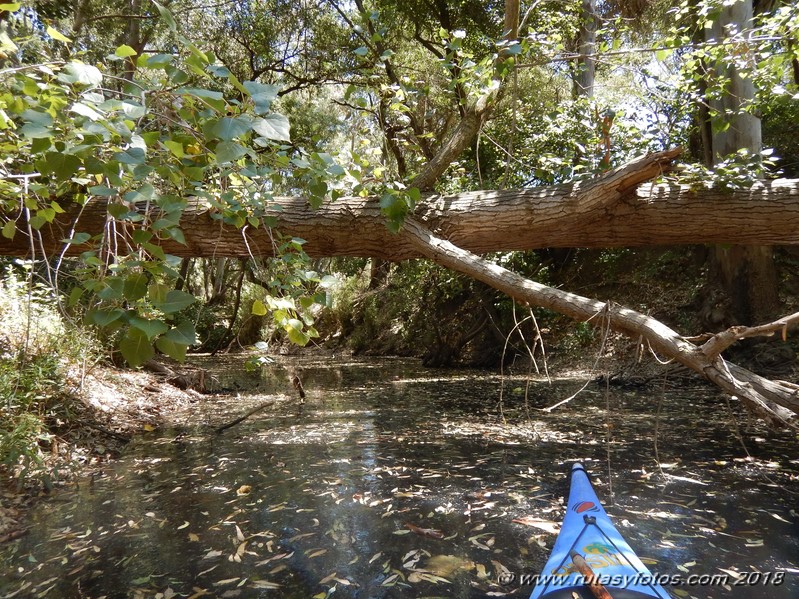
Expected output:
(586, 64)
(746, 273)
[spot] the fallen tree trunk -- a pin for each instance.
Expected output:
(617, 209)
(776, 401)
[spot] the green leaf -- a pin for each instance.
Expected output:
(296, 334)
(10, 6)
(176, 351)
(102, 190)
(175, 301)
(80, 73)
(228, 151)
(228, 128)
(258, 308)
(328, 281)
(63, 166)
(151, 328)
(183, 334)
(124, 51)
(6, 44)
(113, 290)
(157, 292)
(201, 93)
(103, 318)
(87, 111)
(175, 147)
(40, 117)
(78, 239)
(136, 347)
(35, 131)
(362, 51)
(57, 35)
(273, 126)
(263, 95)
(9, 229)
(135, 287)
(166, 16)
(74, 296)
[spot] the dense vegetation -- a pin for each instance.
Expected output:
(153, 109)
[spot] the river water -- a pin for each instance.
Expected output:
(397, 481)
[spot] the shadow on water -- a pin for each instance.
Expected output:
(320, 500)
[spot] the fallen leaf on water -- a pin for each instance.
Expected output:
(425, 532)
(275, 557)
(501, 570)
(778, 517)
(264, 584)
(546, 525)
(193, 537)
(426, 576)
(243, 490)
(184, 525)
(446, 565)
(236, 557)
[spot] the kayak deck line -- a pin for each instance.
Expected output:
(590, 557)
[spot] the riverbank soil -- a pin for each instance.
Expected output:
(106, 409)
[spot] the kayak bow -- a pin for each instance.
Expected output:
(588, 539)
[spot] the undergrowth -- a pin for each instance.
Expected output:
(40, 353)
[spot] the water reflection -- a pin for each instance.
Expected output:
(319, 500)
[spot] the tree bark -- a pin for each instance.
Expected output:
(586, 64)
(747, 274)
(615, 210)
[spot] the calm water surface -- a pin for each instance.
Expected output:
(328, 499)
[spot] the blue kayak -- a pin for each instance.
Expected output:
(588, 538)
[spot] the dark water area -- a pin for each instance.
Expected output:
(398, 481)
